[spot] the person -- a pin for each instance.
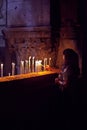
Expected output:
(67, 84)
(70, 71)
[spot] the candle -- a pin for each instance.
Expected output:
(33, 64)
(22, 67)
(45, 63)
(29, 67)
(38, 65)
(1, 70)
(49, 61)
(13, 68)
(9, 74)
(26, 66)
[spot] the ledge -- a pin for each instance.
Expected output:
(26, 76)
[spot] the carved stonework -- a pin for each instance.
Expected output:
(28, 40)
(25, 42)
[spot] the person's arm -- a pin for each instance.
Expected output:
(61, 83)
(63, 80)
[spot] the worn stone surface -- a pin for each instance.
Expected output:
(28, 13)
(25, 30)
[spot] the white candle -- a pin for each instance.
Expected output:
(38, 65)
(45, 63)
(29, 67)
(1, 70)
(22, 67)
(9, 74)
(13, 68)
(26, 66)
(49, 61)
(33, 64)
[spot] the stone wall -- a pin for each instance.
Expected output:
(28, 12)
(26, 30)
(25, 42)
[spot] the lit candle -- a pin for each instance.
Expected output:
(9, 74)
(26, 66)
(29, 67)
(45, 63)
(49, 61)
(13, 68)
(38, 65)
(33, 64)
(1, 70)
(22, 67)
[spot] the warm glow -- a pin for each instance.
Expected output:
(29, 66)
(29, 75)
(38, 65)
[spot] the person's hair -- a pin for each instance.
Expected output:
(71, 57)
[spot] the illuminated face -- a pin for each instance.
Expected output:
(63, 57)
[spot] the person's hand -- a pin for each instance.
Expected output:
(59, 83)
(56, 81)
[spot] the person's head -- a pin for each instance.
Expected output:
(70, 57)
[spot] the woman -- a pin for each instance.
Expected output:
(67, 81)
(70, 70)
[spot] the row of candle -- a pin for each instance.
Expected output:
(31, 65)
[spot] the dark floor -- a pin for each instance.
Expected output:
(23, 107)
